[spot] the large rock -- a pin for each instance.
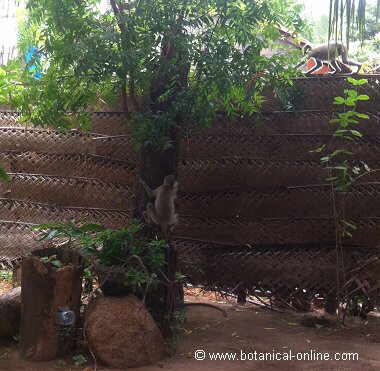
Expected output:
(122, 333)
(10, 311)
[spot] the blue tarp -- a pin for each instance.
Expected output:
(31, 57)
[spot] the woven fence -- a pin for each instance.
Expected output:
(16, 240)
(255, 186)
(318, 93)
(281, 270)
(38, 213)
(63, 176)
(255, 208)
(67, 191)
(74, 165)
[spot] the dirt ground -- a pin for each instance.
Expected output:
(246, 329)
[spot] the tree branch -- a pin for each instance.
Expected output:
(132, 94)
(123, 32)
(117, 13)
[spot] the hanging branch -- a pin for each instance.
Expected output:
(118, 10)
(330, 28)
(348, 21)
(123, 32)
(350, 14)
(361, 18)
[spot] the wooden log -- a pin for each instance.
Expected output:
(10, 311)
(46, 289)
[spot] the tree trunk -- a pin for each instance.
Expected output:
(10, 311)
(46, 290)
(164, 299)
(16, 275)
(156, 163)
(242, 296)
(331, 303)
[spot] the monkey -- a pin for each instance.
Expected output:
(162, 211)
(209, 305)
(328, 53)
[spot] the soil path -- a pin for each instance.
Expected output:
(247, 329)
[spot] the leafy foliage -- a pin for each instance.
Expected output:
(79, 360)
(52, 260)
(170, 61)
(5, 275)
(343, 172)
(140, 259)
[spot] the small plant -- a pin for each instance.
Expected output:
(79, 360)
(52, 260)
(126, 254)
(343, 174)
(289, 97)
(6, 275)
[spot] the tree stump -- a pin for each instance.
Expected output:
(10, 312)
(46, 290)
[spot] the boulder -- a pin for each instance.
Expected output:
(121, 332)
(10, 312)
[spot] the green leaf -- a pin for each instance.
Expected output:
(352, 93)
(52, 234)
(339, 167)
(356, 133)
(56, 263)
(79, 360)
(340, 152)
(363, 97)
(3, 175)
(2, 73)
(334, 121)
(319, 149)
(339, 100)
(352, 121)
(346, 233)
(349, 225)
(347, 114)
(362, 116)
(357, 82)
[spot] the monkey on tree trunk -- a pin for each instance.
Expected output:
(328, 53)
(162, 211)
